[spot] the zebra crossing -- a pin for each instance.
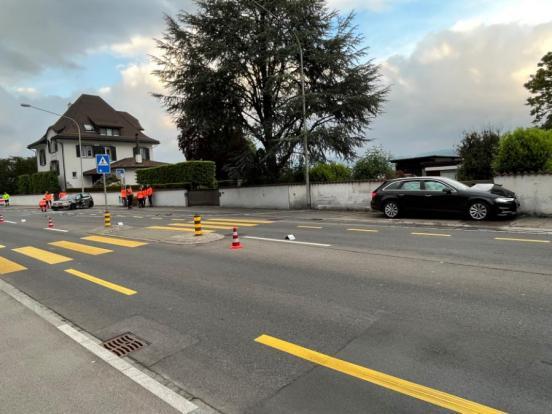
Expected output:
(210, 224)
(64, 248)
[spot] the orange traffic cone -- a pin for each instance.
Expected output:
(235, 240)
(1, 219)
(50, 223)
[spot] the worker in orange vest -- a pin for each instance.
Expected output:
(43, 205)
(62, 194)
(149, 194)
(141, 197)
(129, 196)
(123, 196)
(48, 198)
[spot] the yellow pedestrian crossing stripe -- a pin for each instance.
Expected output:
(81, 248)
(221, 223)
(238, 220)
(203, 226)
(2, 246)
(42, 255)
(184, 229)
(101, 282)
(115, 241)
(7, 266)
(228, 223)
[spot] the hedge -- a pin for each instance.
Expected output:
(525, 149)
(197, 173)
(117, 188)
(24, 184)
(44, 181)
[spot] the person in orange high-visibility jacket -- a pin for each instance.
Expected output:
(123, 196)
(149, 194)
(43, 205)
(48, 197)
(62, 194)
(129, 197)
(141, 197)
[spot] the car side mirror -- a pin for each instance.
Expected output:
(447, 190)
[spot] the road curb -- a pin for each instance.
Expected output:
(92, 344)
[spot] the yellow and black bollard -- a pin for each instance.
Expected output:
(197, 225)
(107, 219)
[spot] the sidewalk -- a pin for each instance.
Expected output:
(42, 370)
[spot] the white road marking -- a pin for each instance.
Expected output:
(93, 345)
(287, 241)
(60, 230)
(9, 221)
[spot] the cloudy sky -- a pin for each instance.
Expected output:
(452, 65)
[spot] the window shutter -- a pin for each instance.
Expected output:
(78, 151)
(146, 154)
(113, 154)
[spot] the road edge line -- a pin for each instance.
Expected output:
(92, 344)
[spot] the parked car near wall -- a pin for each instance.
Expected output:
(73, 201)
(443, 195)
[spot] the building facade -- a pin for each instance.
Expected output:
(433, 165)
(104, 130)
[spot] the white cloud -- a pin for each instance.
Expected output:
(138, 46)
(455, 81)
(372, 5)
(526, 12)
(26, 90)
(133, 94)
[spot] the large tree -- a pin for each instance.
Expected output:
(11, 168)
(540, 85)
(250, 52)
(478, 150)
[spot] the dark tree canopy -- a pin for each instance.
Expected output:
(232, 72)
(478, 150)
(11, 168)
(540, 86)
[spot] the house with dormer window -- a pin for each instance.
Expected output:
(104, 130)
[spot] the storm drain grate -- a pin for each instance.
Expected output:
(124, 344)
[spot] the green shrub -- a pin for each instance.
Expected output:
(197, 173)
(328, 172)
(373, 165)
(24, 184)
(44, 181)
(524, 150)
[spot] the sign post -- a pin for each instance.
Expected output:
(103, 166)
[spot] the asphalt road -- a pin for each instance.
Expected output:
(462, 312)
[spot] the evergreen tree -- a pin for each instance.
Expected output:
(232, 71)
(540, 85)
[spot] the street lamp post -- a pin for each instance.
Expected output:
(24, 105)
(303, 99)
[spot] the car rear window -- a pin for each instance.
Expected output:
(393, 186)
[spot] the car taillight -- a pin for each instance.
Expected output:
(374, 194)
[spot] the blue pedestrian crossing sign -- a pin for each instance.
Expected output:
(103, 164)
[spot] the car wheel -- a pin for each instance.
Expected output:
(391, 209)
(478, 210)
(91, 204)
